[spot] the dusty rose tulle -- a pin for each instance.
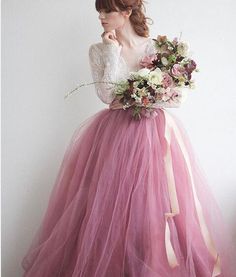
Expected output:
(106, 212)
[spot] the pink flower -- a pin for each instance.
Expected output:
(167, 80)
(177, 70)
(147, 61)
(170, 94)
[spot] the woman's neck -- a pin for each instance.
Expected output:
(128, 38)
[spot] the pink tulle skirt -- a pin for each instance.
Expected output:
(130, 200)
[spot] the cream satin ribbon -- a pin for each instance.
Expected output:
(172, 260)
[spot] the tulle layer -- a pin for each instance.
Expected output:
(107, 212)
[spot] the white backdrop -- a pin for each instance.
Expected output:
(45, 54)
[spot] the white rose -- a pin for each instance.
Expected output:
(155, 76)
(143, 72)
(182, 49)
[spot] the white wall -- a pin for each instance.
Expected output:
(45, 53)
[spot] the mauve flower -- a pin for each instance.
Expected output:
(147, 61)
(177, 70)
(190, 66)
(167, 80)
(175, 40)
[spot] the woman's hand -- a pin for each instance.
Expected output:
(115, 104)
(110, 37)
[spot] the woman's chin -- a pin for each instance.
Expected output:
(107, 29)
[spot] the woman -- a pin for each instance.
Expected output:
(130, 199)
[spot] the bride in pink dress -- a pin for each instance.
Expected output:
(130, 199)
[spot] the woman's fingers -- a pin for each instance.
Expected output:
(109, 37)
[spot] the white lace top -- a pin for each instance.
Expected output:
(108, 65)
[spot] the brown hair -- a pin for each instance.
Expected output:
(137, 17)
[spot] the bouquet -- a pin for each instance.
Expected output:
(161, 78)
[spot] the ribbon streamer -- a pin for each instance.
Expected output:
(173, 198)
(171, 126)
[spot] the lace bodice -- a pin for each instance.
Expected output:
(108, 65)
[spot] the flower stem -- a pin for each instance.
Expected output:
(86, 84)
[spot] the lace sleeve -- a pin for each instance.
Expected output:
(104, 67)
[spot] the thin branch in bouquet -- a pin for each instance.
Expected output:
(180, 35)
(86, 84)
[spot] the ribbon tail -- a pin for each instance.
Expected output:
(172, 260)
(203, 226)
(174, 205)
(217, 268)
